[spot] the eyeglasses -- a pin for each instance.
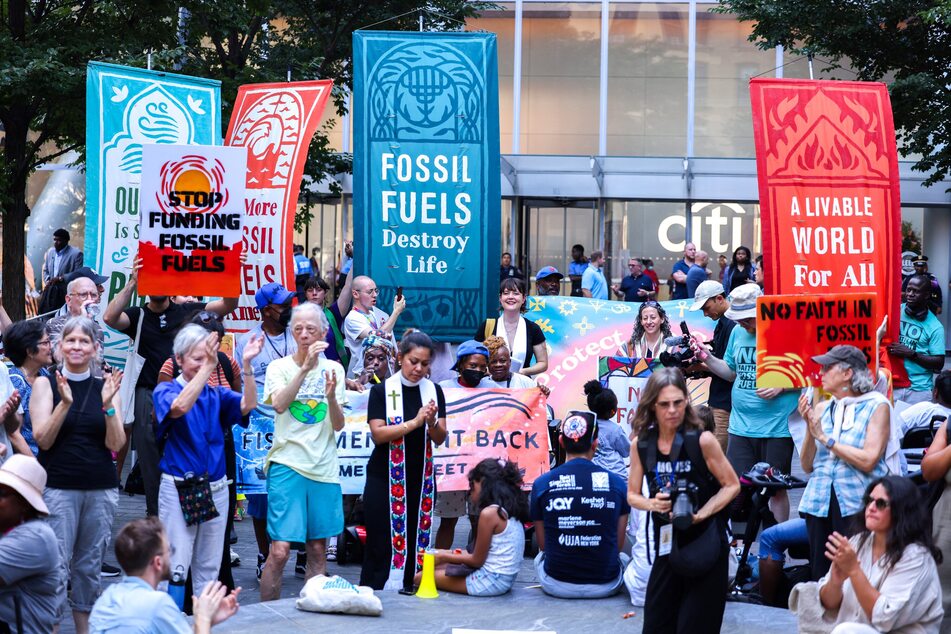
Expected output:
(651, 302)
(880, 503)
(372, 291)
(45, 342)
(206, 317)
(87, 295)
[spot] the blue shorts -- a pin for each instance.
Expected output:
(775, 540)
(488, 584)
(300, 509)
(257, 505)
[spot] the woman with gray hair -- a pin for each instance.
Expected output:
(844, 448)
(76, 426)
(305, 502)
(190, 417)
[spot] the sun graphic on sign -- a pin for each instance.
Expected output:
(193, 184)
(783, 371)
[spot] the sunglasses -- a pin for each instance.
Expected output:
(206, 317)
(880, 503)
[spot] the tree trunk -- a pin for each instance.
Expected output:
(15, 215)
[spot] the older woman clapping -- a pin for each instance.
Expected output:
(844, 448)
(193, 494)
(76, 426)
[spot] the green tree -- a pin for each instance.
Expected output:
(44, 47)
(907, 42)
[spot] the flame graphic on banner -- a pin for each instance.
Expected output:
(785, 371)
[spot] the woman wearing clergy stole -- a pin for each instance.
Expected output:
(524, 338)
(407, 416)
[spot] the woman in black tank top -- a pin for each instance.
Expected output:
(681, 462)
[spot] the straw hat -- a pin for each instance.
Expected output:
(24, 475)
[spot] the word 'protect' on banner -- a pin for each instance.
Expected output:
(191, 207)
(791, 329)
(482, 423)
(276, 123)
(426, 175)
(579, 331)
(127, 108)
(829, 189)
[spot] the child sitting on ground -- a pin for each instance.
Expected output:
(495, 490)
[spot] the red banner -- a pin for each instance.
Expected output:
(829, 190)
(276, 122)
(791, 329)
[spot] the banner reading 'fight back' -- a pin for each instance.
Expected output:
(426, 175)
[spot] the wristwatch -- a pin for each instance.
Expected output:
(829, 443)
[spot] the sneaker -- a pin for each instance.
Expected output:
(332, 552)
(110, 571)
(235, 559)
(300, 567)
(260, 566)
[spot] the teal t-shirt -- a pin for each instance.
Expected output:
(752, 416)
(925, 337)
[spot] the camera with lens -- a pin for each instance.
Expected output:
(683, 503)
(673, 358)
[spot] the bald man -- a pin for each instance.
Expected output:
(366, 319)
(697, 273)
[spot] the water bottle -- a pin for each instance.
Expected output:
(176, 587)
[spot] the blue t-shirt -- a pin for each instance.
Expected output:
(924, 337)
(679, 291)
(577, 268)
(196, 441)
(695, 276)
(630, 285)
(613, 448)
(593, 280)
(752, 416)
(580, 505)
(302, 266)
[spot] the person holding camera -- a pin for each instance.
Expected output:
(690, 483)
(759, 418)
(647, 339)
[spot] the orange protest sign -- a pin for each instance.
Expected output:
(791, 329)
(492, 423)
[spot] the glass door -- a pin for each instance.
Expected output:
(551, 227)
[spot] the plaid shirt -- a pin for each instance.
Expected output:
(832, 473)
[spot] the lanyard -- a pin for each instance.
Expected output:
(273, 347)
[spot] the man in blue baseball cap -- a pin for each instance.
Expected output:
(548, 281)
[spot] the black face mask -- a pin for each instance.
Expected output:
(471, 377)
(285, 317)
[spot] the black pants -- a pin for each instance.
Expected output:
(675, 604)
(819, 529)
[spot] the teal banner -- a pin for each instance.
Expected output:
(426, 200)
(125, 109)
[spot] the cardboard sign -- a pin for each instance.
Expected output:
(791, 329)
(192, 211)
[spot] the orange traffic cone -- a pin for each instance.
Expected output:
(427, 585)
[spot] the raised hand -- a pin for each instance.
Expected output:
(110, 387)
(427, 413)
(227, 608)
(253, 348)
(65, 392)
(399, 305)
(134, 274)
(330, 385)
(211, 350)
(313, 355)
(10, 406)
(205, 605)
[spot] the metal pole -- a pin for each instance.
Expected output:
(809, 57)
(288, 72)
(148, 60)
(779, 62)
(420, 20)
(691, 72)
(517, 82)
(603, 97)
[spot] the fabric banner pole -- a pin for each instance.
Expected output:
(827, 168)
(125, 109)
(426, 175)
(276, 123)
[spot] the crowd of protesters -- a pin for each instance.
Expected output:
(649, 510)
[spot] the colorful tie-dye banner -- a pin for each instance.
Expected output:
(482, 423)
(579, 331)
(127, 108)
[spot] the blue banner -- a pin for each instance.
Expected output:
(126, 108)
(426, 175)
